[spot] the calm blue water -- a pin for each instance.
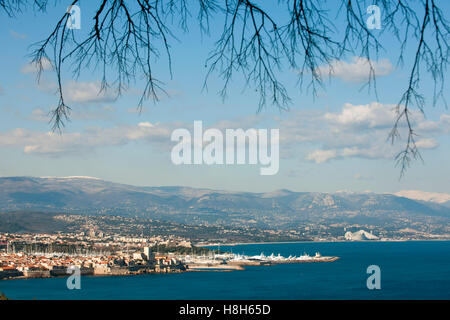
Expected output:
(409, 270)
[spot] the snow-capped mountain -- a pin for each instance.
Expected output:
(441, 198)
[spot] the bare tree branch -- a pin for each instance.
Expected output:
(257, 42)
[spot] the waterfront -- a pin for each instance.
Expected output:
(40, 259)
(409, 270)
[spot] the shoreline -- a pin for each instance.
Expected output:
(94, 275)
(312, 241)
(229, 267)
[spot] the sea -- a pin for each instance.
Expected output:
(408, 270)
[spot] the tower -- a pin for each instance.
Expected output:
(148, 253)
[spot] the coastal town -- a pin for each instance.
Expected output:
(94, 253)
(51, 244)
(52, 255)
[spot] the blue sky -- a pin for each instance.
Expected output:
(336, 141)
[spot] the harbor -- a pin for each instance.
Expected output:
(230, 261)
(44, 265)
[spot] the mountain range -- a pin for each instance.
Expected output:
(281, 208)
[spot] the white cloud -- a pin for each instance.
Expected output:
(320, 156)
(93, 112)
(17, 35)
(87, 112)
(40, 115)
(313, 135)
(80, 92)
(358, 70)
(370, 115)
(55, 144)
(145, 125)
(355, 131)
(84, 92)
(429, 143)
(33, 67)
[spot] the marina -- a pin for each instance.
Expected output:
(233, 261)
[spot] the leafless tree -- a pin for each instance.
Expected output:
(127, 37)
